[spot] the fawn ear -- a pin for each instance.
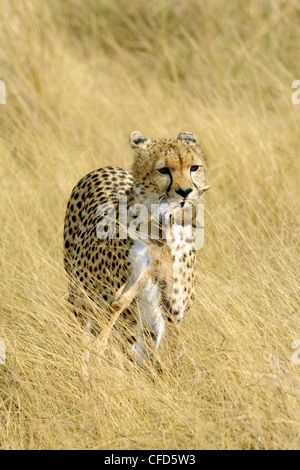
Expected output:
(138, 140)
(188, 137)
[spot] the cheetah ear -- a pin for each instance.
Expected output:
(137, 139)
(188, 137)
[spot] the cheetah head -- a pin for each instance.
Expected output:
(172, 170)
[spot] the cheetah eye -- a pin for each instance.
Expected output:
(164, 171)
(195, 168)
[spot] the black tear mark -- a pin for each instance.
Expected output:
(171, 182)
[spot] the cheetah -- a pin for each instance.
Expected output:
(125, 277)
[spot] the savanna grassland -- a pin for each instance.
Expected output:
(81, 75)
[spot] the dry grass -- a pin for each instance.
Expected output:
(80, 76)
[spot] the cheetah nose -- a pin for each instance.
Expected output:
(184, 192)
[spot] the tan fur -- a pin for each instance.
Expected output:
(101, 276)
(160, 268)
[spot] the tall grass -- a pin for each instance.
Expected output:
(80, 76)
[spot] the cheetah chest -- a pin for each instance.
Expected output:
(181, 242)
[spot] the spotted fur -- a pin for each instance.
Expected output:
(165, 170)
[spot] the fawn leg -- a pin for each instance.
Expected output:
(169, 346)
(120, 305)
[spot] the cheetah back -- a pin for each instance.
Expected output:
(99, 267)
